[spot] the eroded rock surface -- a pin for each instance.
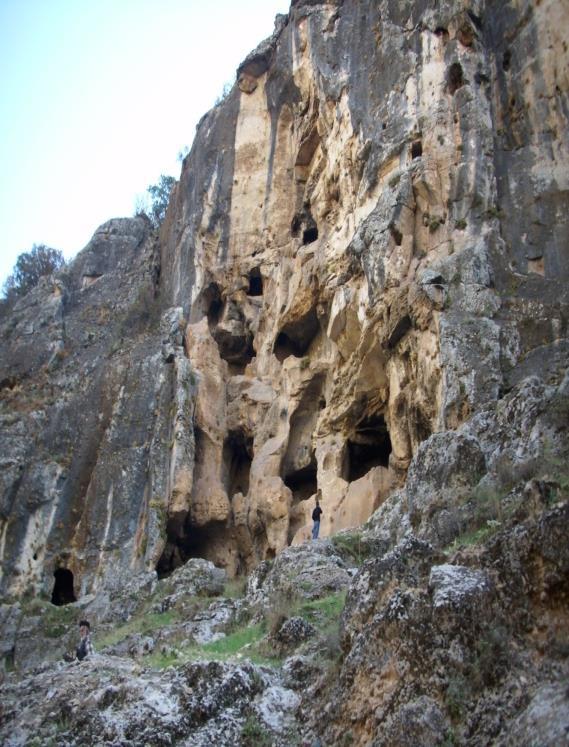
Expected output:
(360, 290)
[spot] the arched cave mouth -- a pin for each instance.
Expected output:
(369, 447)
(296, 338)
(303, 224)
(302, 484)
(185, 541)
(255, 283)
(237, 458)
(309, 235)
(63, 592)
(210, 304)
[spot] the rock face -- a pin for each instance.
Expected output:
(360, 285)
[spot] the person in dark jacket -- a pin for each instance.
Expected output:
(85, 647)
(316, 514)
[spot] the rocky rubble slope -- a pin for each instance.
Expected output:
(392, 634)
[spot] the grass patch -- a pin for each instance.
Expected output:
(144, 624)
(235, 588)
(327, 608)
(351, 544)
(253, 734)
(56, 620)
(233, 643)
(474, 537)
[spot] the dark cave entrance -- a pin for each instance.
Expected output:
(369, 447)
(295, 339)
(255, 283)
(237, 458)
(309, 235)
(302, 483)
(185, 541)
(63, 587)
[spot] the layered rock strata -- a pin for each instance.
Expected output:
(366, 247)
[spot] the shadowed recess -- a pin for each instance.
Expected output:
(369, 447)
(237, 457)
(63, 587)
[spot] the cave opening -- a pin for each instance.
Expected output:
(284, 347)
(302, 482)
(295, 339)
(209, 303)
(63, 592)
(237, 458)
(369, 447)
(455, 78)
(416, 149)
(255, 283)
(309, 235)
(397, 235)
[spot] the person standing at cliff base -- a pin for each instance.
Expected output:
(316, 514)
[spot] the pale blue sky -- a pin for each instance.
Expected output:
(96, 99)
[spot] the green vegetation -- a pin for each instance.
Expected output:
(233, 643)
(350, 544)
(254, 734)
(235, 588)
(434, 222)
(145, 623)
(460, 224)
(247, 640)
(494, 211)
(155, 206)
(56, 621)
(30, 267)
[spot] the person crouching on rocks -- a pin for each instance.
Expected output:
(316, 514)
(85, 647)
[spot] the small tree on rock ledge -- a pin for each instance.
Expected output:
(156, 207)
(29, 268)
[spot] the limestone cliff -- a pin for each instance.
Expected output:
(367, 246)
(360, 288)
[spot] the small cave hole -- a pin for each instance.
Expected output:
(295, 339)
(237, 458)
(173, 555)
(296, 225)
(455, 78)
(10, 382)
(284, 347)
(369, 447)
(255, 283)
(397, 235)
(416, 149)
(63, 587)
(302, 483)
(209, 303)
(309, 235)
(442, 32)
(506, 60)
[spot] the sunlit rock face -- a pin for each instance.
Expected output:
(367, 243)
(366, 247)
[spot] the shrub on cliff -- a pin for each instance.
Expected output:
(155, 207)
(29, 268)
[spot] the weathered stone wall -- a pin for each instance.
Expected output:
(359, 275)
(367, 246)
